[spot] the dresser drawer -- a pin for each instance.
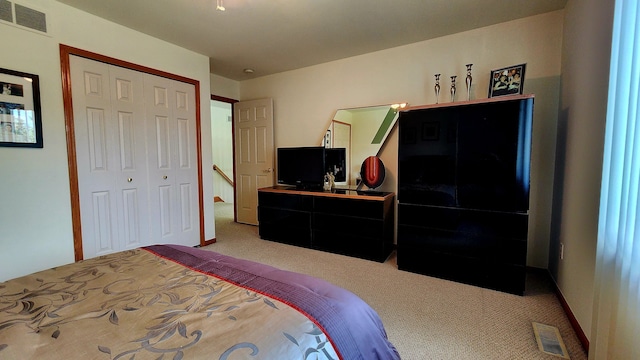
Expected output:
(348, 225)
(292, 236)
(466, 221)
(485, 247)
(353, 245)
(287, 226)
(285, 201)
(349, 207)
(469, 270)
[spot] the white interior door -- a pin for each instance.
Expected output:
(173, 171)
(110, 154)
(254, 155)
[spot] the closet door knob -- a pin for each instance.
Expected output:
(165, 177)
(129, 179)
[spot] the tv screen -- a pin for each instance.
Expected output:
(469, 156)
(303, 167)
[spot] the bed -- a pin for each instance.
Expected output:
(174, 302)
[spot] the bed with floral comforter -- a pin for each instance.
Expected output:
(174, 302)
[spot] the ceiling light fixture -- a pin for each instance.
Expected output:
(220, 6)
(248, 71)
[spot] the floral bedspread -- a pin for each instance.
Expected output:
(138, 305)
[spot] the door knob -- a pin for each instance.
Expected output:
(129, 179)
(165, 177)
(268, 170)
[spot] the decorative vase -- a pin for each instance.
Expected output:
(468, 81)
(437, 87)
(453, 88)
(327, 182)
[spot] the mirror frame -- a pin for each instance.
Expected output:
(367, 142)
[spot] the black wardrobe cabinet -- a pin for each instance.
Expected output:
(463, 191)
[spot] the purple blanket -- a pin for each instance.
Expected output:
(353, 327)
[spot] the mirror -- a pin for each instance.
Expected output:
(362, 132)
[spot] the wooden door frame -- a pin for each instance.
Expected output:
(233, 146)
(65, 65)
(333, 136)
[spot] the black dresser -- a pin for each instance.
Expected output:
(348, 222)
(463, 191)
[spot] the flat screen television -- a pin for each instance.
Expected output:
(474, 156)
(305, 167)
(302, 167)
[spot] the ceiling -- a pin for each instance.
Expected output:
(272, 36)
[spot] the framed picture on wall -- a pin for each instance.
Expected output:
(507, 81)
(20, 115)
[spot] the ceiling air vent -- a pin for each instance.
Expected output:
(23, 16)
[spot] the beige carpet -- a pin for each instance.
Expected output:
(425, 317)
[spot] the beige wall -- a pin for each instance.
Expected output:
(224, 87)
(306, 99)
(35, 215)
(585, 78)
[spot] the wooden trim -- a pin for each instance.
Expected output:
(196, 83)
(572, 319)
(470, 102)
(71, 153)
(223, 99)
(333, 137)
(224, 176)
(582, 337)
(233, 154)
(345, 194)
(340, 122)
(125, 64)
(209, 242)
(65, 53)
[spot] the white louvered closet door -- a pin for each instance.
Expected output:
(110, 155)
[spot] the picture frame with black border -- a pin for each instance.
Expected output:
(507, 81)
(20, 112)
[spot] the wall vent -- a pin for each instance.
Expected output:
(23, 16)
(5, 11)
(33, 19)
